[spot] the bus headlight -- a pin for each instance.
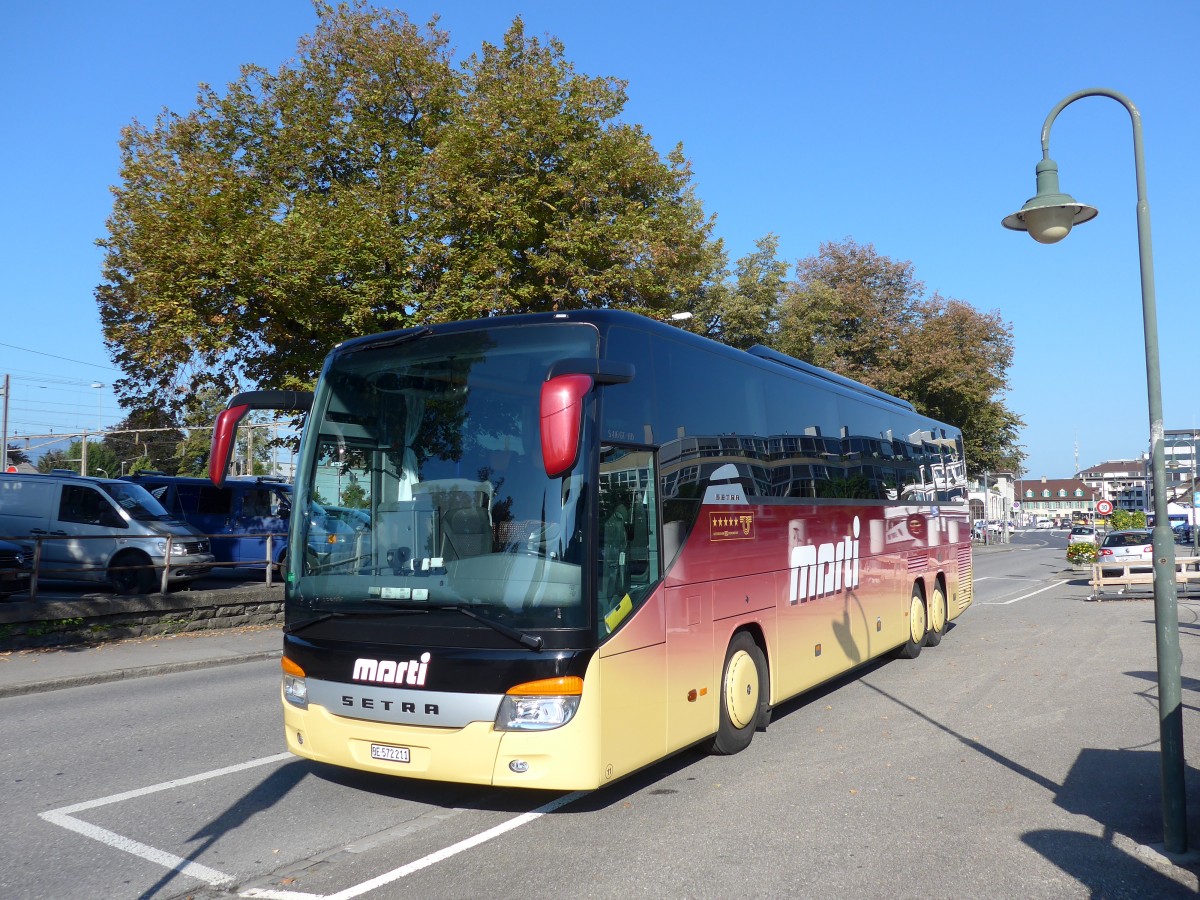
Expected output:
(540, 705)
(295, 685)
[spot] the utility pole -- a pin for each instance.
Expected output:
(4, 425)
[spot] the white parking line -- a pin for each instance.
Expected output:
(440, 855)
(64, 817)
(1022, 597)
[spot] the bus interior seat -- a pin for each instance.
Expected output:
(466, 531)
(464, 512)
(403, 530)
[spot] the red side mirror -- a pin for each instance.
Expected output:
(221, 449)
(562, 421)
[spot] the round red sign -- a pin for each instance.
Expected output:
(1104, 508)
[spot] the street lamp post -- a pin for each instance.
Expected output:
(1048, 217)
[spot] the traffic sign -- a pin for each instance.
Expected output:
(11, 470)
(1104, 508)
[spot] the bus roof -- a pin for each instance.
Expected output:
(605, 318)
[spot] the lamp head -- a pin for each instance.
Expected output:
(1049, 215)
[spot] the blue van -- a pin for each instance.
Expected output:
(239, 517)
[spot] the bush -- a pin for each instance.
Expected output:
(1082, 553)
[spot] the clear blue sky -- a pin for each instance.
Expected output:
(912, 126)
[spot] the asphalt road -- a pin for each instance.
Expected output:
(1017, 759)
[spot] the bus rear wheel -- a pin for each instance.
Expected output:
(937, 617)
(917, 628)
(744, 695)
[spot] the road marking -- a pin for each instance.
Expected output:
(64, 818)
(454, 849)
(1022, 597)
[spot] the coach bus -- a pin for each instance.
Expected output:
(596, 539)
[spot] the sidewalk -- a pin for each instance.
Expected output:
(32, 671)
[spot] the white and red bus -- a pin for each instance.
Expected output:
(592, 540)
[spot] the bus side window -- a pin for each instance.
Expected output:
(629, 564)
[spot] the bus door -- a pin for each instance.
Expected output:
(630, 612)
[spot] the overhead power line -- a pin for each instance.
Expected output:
(63, 358)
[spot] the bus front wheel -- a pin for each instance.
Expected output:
(917, 625)
(937, 617)
(744, 695)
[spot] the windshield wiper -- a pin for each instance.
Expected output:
(300, 626)
(532, 641)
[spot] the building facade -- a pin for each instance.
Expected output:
(1058, 499)
(1123, 482)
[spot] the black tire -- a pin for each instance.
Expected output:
(312, 564)
(132, 573)
(745, 698)
(937, 617)
(918, 632)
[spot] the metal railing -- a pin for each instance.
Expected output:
(101, 573)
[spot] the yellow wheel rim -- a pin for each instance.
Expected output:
(938, 613)
(916, 618)
(741, 689)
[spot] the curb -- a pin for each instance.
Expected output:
(57, 684)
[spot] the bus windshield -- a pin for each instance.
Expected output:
(434, 441)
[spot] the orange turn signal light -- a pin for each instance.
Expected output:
(291, 668)
(546, 687)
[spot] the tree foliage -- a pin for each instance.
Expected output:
(742, 312)
(102, 462)
(1123, 519)
(866, 316)
(145, 439)
(371, 184)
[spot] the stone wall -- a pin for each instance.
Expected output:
(97, 618)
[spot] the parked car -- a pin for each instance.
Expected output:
(100, 529)
(358, 519)
(239, 517)
(1127, 547)
(1082, 534)
(16, 566)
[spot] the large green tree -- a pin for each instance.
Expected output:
(866, 316)
(373, 184)
(741, 311)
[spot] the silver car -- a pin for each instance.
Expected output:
(1124, 548)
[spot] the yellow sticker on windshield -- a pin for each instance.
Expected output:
(620, 611)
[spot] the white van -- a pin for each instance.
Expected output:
(99, 529)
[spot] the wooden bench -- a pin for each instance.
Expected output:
(1187, 572)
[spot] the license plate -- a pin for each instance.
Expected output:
(394, 754)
